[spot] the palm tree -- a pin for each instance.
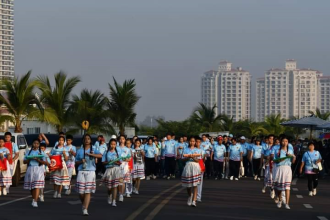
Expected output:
(205, 117)
(19, 99)
(227, 123)
(57, 98)
(123, 99)
(91, 106)
(319, 114)
(256, 129)
(273, 124)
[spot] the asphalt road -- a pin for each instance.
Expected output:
(166, 199)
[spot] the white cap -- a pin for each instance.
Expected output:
(165, 138)
(113, 137)
(242, 138)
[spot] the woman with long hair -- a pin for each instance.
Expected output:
(191, 175)
(85, 160)
(283, 157)
(138, 172)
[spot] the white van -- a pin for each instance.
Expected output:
(19, 167)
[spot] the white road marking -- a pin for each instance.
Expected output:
(308, 206)
(294, 181)
(16, 200)
(156, 210)
(294, 189)
(322, 218)
(300, 196)
(150, 201)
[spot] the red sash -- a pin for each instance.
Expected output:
(9, 146)
(3, 164)
(202, 165)
(130, 164)
(55, 163)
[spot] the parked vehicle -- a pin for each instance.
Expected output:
(19, 167)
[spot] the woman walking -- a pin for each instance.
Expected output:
(310, 160)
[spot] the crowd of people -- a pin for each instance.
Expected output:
(122, 163)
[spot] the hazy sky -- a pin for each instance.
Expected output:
(167, 45)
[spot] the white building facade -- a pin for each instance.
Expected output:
(6, 39)
(229, 89)
(324, 93)
(291, 92)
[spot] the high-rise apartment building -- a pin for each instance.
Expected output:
(324, 93)
(229, 89)
(6, 39)
(289, 92)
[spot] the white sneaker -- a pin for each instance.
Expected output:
(255, 177)
(35, 204)
(199, 200)
(128, 195)
(279, 204)
(109, 200)
(173, 176)
(85, 212)
(55, 195)
(67, 192)
(41, 197)
(169, 177)
(216, 178)
(136, 192)
(0, 192)
(276, 200)
(263, 189)
(154, 177)
(310, 193)
(258, 179)
(7, 188)
(272, 194)
(314, 192)
(59, 196)
(193, 204)
(164, 177)
(189, 200)
(232, 177)
(148, 178)
(236, 178)
(121, 198)
(4, 191)
(287, 206)
(114, 203)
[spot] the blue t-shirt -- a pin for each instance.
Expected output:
(59, 151)
(177, 147)
(102, 148)
(246, 148)
(71, 159)
(278, 153)
(5, 152)
(90, 161)
(109, 156)
(35, 153)
(219, 152)
(256, 151)
(235, 152)
(150, 151)
(169, 148)
(188, 150)
(124, 151)
(207, 146)
(310, 158)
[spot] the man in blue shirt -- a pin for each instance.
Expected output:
(207, 146)
(246, 162)
(169, 151)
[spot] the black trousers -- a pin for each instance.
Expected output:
(208, 166)
(150, 166)
(234, 168)
(247, 168)
(313, 181)
(256, 167)
(170, 165)
(218, 168)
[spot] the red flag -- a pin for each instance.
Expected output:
(3, 164)
(55, 163)
(130, 164)
(201, 164)
(9, 146)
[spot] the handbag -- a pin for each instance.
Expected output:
(315, 168)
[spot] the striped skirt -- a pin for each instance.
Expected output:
(268, 180)
(5, 177)
(111, 178)
(34, 177)
(86, 182)
(138, 171)
(60, 177)
(191, 175)
(283, 178)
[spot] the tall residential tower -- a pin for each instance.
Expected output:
(6, 39)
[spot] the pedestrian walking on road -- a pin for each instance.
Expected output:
(311, 160)
(85, 159)
(5, 175)
(138, 172)
(235, 154)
